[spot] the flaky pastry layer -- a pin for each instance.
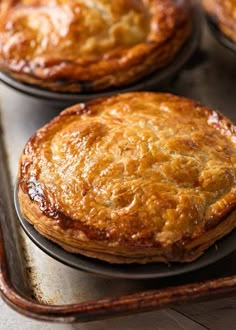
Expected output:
(90, 45)
(137, 177)
(223, 13)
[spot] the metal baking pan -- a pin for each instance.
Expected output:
(223, 39)
(40, 287)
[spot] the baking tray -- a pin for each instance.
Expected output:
(40, 287)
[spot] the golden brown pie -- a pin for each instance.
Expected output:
(77, 45)
(137, 177)
(223, 12)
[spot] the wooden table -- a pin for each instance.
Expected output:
(215, 315)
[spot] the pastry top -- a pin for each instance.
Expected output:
(224, 13)
(136, 170)
(76, 44)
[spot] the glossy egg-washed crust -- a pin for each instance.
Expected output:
(137, 177)
(223, 13)
(78, 45)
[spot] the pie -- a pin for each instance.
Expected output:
(133, 178)
(223, 13)
(86, 46)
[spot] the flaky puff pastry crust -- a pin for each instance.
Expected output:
(78, 45)
(223, 12)
(137, 177)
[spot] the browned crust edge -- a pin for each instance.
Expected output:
(122, 70)
(121, 255)
(183, 251)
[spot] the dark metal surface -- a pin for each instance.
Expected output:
(226, 42)
(10, 242)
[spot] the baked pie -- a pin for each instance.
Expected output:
(223, 13)
(85, 46)
(133, 178)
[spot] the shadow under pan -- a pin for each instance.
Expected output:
(224, 40)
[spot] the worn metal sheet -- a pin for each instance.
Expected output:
(209, 78)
